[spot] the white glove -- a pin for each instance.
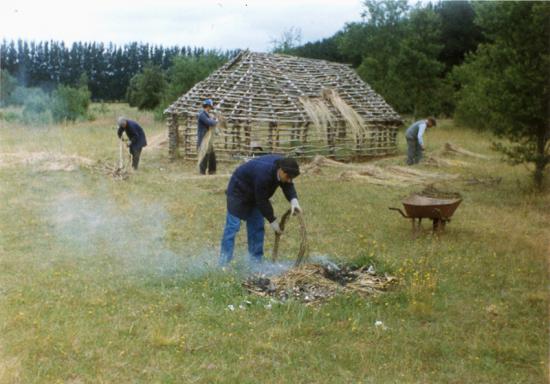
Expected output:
(295, 207)
(276, 228)
(217, 131)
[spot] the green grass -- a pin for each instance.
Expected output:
(103, 281)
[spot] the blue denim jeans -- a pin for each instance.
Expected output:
(255, 232)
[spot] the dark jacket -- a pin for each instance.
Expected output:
(204, 124)
(135, 134)
(252, 184)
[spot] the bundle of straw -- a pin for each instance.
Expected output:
(354, 120)
(207, 145)
(319, 113)
(302, 253)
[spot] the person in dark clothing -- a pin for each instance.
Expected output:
(415, 139)
(136, 135)
(205, 123)
(248, 193)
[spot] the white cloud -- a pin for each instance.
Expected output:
(218, 24)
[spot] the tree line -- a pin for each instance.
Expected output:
(107, 67)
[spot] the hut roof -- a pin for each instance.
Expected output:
(271, 88)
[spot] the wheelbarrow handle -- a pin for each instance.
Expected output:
(400, 211)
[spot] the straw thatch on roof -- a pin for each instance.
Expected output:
(291, 105)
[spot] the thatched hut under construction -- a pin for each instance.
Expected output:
(287, 104)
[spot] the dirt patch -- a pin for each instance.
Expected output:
(315, 283)
(44, 161)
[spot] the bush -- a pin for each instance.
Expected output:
(185, 72)
(7, 87)
(70, 104)
(146, 90)
(9, 116)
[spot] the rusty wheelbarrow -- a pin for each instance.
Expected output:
(439, 210)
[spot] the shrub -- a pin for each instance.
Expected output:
(7, 87)
(70, 104)
(146, 89)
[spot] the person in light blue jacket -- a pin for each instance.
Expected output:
(415, 139)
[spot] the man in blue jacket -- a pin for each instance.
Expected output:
(415, 140)
(136, 135)
(248, 193)
(205, 123)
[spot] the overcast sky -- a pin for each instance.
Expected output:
(219, 24)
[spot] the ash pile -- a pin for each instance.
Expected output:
(314, 283)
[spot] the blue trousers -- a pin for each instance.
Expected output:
(255, 232)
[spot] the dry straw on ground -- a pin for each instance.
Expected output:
(315, 283)
(452, 149)
(392, 175)
(44, 161)
(157, 142)
(440, 162)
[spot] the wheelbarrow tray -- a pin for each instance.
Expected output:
(419, 206)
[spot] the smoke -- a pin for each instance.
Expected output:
(132, 236)
(131, 240)
(36, 105)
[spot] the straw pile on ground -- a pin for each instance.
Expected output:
(436, 161)
(44, 161)
(390, 175)
(432, 191)
(315, 283)
(157, 142)
(452, 149)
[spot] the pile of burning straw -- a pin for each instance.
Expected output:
(314, 283)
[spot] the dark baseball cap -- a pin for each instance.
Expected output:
(289, 166)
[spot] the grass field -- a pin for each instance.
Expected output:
(105, 281)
